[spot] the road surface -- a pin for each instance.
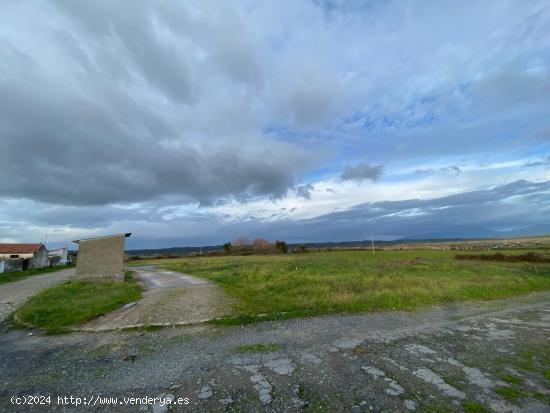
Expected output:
(13, 294)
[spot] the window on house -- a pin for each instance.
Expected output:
(14, 256)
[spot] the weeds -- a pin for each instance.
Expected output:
(258, 348)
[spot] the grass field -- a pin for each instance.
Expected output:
(15, 276)
(355, 281)
(75, 302)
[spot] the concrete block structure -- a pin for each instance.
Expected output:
(101, 257)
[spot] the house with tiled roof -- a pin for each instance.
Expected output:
(20, 257)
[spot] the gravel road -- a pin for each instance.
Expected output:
(491, 355)
(171, 298)
(15, 293)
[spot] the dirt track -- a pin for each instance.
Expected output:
(15, 293)
(492, 353)
(171, 298)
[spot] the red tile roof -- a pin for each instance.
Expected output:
(19, 248)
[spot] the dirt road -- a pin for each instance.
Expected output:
(466, 357)
(171, 298)
(16, 293)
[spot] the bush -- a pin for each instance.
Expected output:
(281, 246)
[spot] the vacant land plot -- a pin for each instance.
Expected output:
(353, 281)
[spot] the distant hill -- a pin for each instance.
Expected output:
(179, 251)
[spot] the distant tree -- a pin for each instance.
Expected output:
(241, 242)
(261, 244)
(281, 246)
(302, 248)
(228, 248)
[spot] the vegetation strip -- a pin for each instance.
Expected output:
(57, 308)
(498, 256)
(18, 275)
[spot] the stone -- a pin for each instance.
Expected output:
(205, 393)
(265, 398)
(373, 371)
(130, 357)
(282, 366)
(226, 401)
(409, 405)
(394, 388)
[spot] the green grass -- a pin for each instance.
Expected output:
(75, 302)
(258, 348)
(474, 407)
(357, 281)
(508, 378)
(508, 393)
(15, 276)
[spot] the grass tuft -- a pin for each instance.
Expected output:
(512, 379)
(508, 393)
(474, 407)
(258, 348)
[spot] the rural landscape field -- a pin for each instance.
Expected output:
(354, 281)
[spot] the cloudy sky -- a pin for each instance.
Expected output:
(192, 123)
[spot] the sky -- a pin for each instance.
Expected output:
(193, 123)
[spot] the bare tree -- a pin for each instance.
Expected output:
(241, 242)
(261, 244)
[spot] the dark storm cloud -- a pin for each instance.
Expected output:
(362, 172)
(99, 108)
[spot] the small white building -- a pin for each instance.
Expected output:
(21, 257)
(58, 256)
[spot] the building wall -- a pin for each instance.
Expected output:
(59, 256)
(13, 265)
(40, 258)
(101, 258)
(26, 261)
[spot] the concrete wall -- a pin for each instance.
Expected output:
(101, 258)
(13, 265)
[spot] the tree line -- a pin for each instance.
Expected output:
(243, 245)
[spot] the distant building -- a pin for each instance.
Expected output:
(101, 257)
(58, 256)
(21, 257)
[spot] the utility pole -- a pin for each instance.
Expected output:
(372, 243)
